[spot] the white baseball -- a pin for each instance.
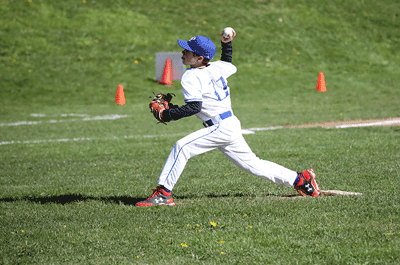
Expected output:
(228, 32)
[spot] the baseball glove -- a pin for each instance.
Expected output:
(159, 103)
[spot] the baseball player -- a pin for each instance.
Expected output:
(207, 96)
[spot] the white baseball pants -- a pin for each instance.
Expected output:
(227, 137)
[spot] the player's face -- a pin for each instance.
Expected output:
(192, 59)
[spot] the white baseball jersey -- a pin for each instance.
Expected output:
(209, 85)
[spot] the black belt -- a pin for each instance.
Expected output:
(222, 116)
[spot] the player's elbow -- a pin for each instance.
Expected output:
(195, 107)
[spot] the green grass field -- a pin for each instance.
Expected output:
(73, 163)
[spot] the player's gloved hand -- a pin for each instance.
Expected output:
(159, 103)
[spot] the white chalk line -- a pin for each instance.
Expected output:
(84, 118)
(61, 115)
(65, 140)
(381, 123)
(244, 131)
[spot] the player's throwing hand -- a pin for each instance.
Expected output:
(227, 35)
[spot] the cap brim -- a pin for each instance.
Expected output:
(184, 45)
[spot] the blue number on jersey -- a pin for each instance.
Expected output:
(220, 89)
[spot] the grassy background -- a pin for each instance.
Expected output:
(70, 202)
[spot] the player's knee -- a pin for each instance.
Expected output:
(181, 149)
(178, 147)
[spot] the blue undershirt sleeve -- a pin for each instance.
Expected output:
(177, 113)
(226, 54)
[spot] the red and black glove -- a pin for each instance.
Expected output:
(159, 103)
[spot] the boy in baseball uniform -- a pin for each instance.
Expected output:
(207, 96)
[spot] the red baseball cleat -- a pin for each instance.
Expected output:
(307, 186)
(159, 197)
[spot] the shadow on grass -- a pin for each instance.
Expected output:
(71, 198)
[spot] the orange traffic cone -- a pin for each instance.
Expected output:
(321, 83)
(167, 75)
(120, 99)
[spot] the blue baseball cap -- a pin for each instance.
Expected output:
(200, 45)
